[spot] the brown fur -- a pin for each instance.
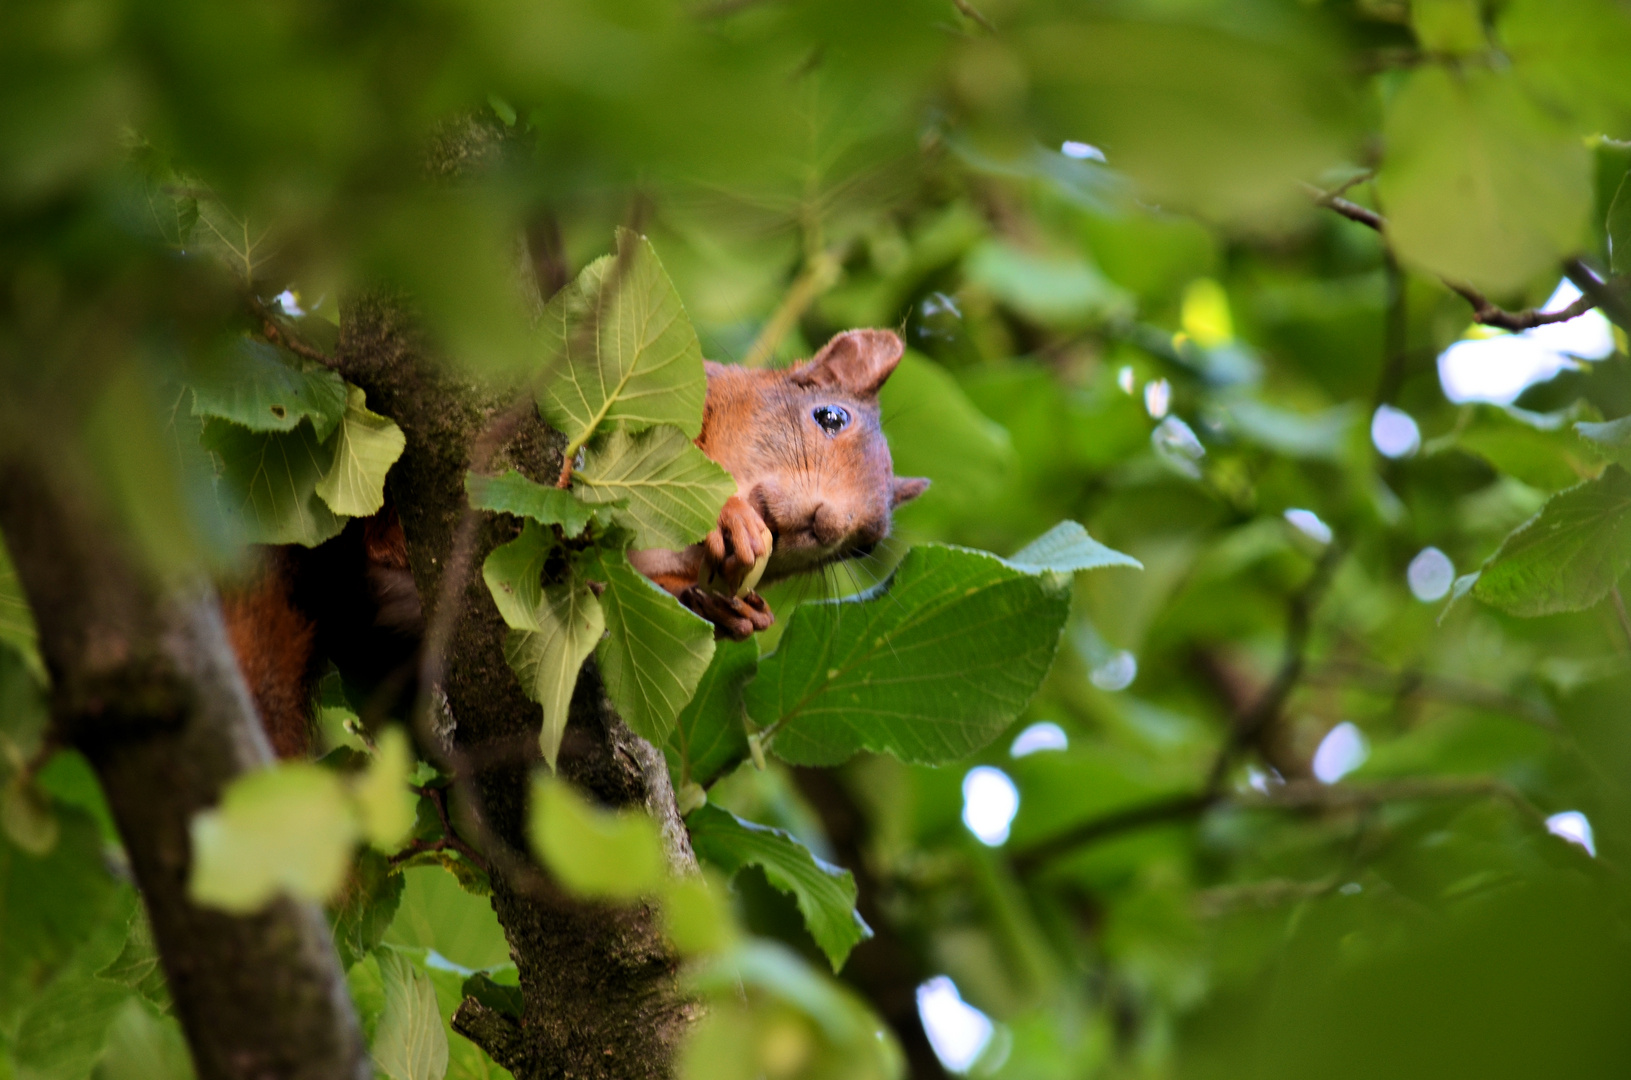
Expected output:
(273, 641)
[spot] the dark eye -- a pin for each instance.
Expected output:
(832, 418)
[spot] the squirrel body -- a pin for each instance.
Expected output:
(815, 485)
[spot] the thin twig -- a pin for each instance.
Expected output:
(973, 13)
(279, 335)
(1612, 301)
(1159, 812)
(1483, 310)
(1265, 712)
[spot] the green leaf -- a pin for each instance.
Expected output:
(366, 447)
(265, 388)
(385, 807)
(619, 349)
(1066, 548)
(594, 852)
(1568, 556)
(1572, 55)
(1448, 26)
(17, 628)
(514, 575)
(437, 912)
(1537, 448)
(568, 623)
(1619, 228)
(673, 491)
(137, 966)
(825, 893)
(48, 905)
(512, 493)
(269, 482)
(410, 1042)
(710, 733)
(286, 829)
(655, 651)
(26, 817)
(144, 1046)
(1479, 184)
(366, 908)
(930, 666)
(1610, 439)
(1051, 290)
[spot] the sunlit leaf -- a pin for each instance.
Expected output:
(569, 622)
(1066, 548)
(1479, 184)
(929, 666)
(592, 851)
(385, 806)
(1572, 55)
(144, 1046)
(825, 894)
(672, 490)
(619, 349)
(409, 1041)
(438, 912)
(366, 447)
(655, 651)
(289, 829)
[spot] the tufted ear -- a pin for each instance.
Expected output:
(856, 362)
(903, 489)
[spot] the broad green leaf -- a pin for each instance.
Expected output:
(265, 388)
(710, 733)
(1537, 448)
(367, 906)
(269, 482)
(385, 807)
(1568, 556)
(512, 493)
(366, 447)
(1066, 548)
(655, 650)
(1448, 26)
(286, 829)
(514, 576)
(825, 893)
(1572, 55)
(594, 852)
(1610, 439)
(618, 348)
(697, 916)
(1480, 184)
(410, 1042)
(673, 490)
(1322, 436)
(1203, 119)
(936, 431)
(929, 666)
(569, 622)
(241, 247)
(137, 966)
(47, 907)
(17, 628)
(1619, 228)
(437, 912)
(142, 1045)
(1052, 290)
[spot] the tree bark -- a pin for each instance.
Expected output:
(144, 685)
(599, 983)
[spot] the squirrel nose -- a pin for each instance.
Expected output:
(829, 524)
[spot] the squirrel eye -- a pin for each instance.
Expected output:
(832, 418)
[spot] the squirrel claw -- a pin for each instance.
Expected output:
(737, 618)
(739, 543)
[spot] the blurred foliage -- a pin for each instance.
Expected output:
(1123, 311)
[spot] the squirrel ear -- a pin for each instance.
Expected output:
(906, 488)
(856, 361)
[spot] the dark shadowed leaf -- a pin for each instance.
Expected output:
(264, 388)
(825, 894)
(269, 482)
(710, 734)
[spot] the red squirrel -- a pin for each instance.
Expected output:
(814, 485)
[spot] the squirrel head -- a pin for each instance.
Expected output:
(807, 451)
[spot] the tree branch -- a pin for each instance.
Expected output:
(145, 686)
(1484, 311)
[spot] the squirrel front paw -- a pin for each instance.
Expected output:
(738, 549)
(735, 617)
